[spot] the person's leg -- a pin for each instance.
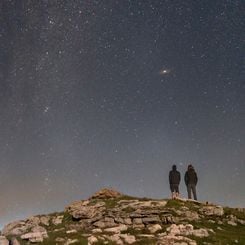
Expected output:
(194, 192)
(189, 191)
(173, 195)
(177, 191)
(172, 191)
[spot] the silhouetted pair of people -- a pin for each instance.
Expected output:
(190, 181)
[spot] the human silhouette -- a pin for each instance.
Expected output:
(174, 180)
(191, 181)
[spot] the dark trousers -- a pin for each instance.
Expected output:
(191, 188)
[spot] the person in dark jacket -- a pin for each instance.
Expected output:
(174, 180)
(191, 181)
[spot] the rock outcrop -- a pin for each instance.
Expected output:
(109, 216)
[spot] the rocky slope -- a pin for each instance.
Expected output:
(109, 217)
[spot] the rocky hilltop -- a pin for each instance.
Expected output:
(109, 217)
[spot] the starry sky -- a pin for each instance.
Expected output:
(112, 93)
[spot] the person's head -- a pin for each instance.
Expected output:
(190, 167)
(174, 167)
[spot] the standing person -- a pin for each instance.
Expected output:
(191, 181)
(174, 180)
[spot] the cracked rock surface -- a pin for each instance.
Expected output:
(109, 217)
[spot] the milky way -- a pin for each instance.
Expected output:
(112, 93)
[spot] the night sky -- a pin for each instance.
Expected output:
(112, 93)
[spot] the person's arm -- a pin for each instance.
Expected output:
(196, 179)
(186, 178)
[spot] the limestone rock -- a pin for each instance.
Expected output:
(231, 222)
(71, 241)
(117, 229)
(151, 220)
(60, 239)
(106, 194)
(15, 228)
(92, 240)
(115, 238)
(187, 230)
(97, 230)
(83, 211)
(101, 220)
(33, 220)
(212, 210)
(154, 228)
(71, 231)
(129, 239)
(57, 220)
(45, 220)
(34, 236)
(4, 240)
(173, 240)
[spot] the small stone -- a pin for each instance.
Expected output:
(117, 229)
(230, 222)
(60, 239)
(99, 224)
(154, 228)
(97, 230)
(71, 241)
(130, 239)
(138, 226)
(58, 219)
(200, 233)
(45, 220)
(92, 240)
(115, 238)
(128, 221)
(137, 221)
(71, 231)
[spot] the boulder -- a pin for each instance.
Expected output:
(212, 210)
(37, 235)
(15, 228)
(106, 194)
(34, 236)
(83, 211)
(186, 230)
